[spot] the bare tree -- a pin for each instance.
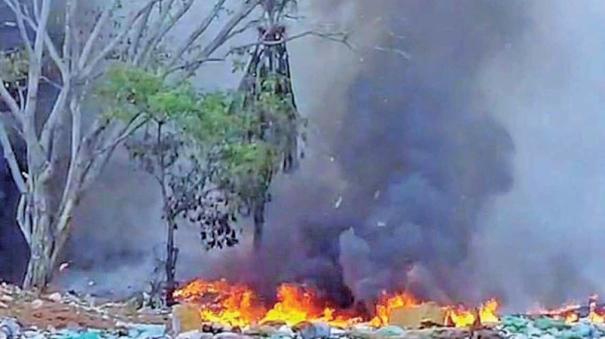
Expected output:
(65, 154)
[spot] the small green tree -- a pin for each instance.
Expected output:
(202, 153)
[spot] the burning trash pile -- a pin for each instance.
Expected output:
(223, 309)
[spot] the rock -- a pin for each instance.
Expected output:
(10, 328)
(261, 330)
(360, 331)
(283, 332)
(194, 335)
(56, 297)
(37, 303)
(337, 332)
(315, 330)
(6, 298)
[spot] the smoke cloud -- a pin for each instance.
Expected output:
(415, 156)
(474, 163)
(540, 242)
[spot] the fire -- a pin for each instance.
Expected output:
(238, 305)
(296, 304)
(221, 302)
(595, 315)
(488, 314)
(571, 313)
(387, 303)
(461, 317)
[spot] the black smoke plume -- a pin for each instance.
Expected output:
(415, 157)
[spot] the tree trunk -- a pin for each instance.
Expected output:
(171, 258)
(259, 223)
(42, 246)
(49, 233)
(40, 267)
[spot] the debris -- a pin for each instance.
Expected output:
(230, 335)
(37, 304)
(309, 330)
(261, 330)
(63, 266)
(390, 331)
(194, 335)
(10, 328)
(415, 316)
(56, 297)
(338, 202)
(185, 318)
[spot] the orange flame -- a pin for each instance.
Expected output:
(488, 314)
(461, 317)
(570, 313)
(387, 303)
(238, 305)
(221, 302)
(297, 304)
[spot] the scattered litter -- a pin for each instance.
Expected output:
(63, 266)
(338, 202)
(56, 297)
(10, 328)
(37, 304)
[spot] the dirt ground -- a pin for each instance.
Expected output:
(60, 311)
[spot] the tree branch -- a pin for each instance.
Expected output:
(88, 69)
(138, 33)
(22, 218)
(223, 34)
(70, 11)
(339, 37)
(11, 159)
(96, 31)
(203, 26)
(164, 11)
(15, 6)
(9, 100)
(122, 134)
